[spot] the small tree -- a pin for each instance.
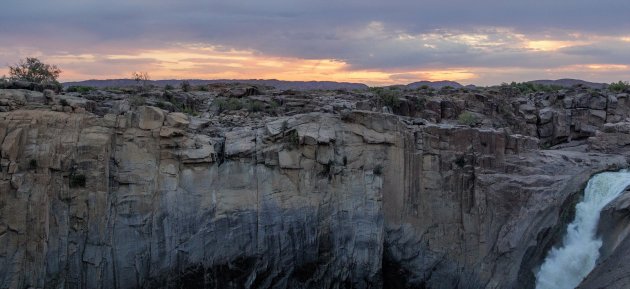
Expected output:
(33, 70)
(185, 85)
(619, 86)
(141, 78)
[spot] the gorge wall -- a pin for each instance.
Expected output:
(340, 198)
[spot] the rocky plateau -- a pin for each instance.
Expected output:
(248, 186)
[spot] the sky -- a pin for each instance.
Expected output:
(481, 42)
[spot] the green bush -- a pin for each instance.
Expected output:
(255, 106)
(387, 96)
(619, 86)
(64, 102)
(294, 138)
(229, 104)
(467, 118)
(189, 110)
(136, 101)
(33, 70)
(168, 87)
(80, 88)
(527, 87)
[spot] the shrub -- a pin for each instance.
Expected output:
(141, 78)
(229, 104)
(619, 86)
(294, 138)
(185, 86)
(202, 87)
(255, 106)
(77, 181)
(189, 110)
(168, 87)
(515, 88)
(64, 102)
(80, 88)
(274, 104)
(33, 70)
(467, 118)
(136, 101)
(387, 96)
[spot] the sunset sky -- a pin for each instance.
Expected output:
(481, 42)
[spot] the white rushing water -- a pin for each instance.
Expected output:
(567, 266)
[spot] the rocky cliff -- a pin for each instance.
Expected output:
(165, 189)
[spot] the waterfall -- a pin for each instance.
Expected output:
(567, 266)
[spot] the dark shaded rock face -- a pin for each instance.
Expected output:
(146, 198)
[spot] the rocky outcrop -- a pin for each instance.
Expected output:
(146, 197)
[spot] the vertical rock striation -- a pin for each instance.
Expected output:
(152, 199)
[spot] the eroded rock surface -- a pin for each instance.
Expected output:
(101, 194)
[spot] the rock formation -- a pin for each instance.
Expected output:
(285, 189)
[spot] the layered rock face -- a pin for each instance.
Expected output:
(340, 198)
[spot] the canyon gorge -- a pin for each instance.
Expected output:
(247, 186)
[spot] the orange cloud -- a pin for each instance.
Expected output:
(551, 45)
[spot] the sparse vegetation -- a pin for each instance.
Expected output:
(136, 101)
(467, 118)
(274, 104)
(142, 79)
(388, 96)
(515, 88)
(255, 106)
(80, 88)
(229, 104)
(619, 86)
(294, 138)
(189, 110)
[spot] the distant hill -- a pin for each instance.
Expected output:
(279, 84)
(567, 82)
(434, 84)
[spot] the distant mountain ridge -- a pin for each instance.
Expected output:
(279, 84)
(434, 84)
(323, 85)
(569, 82)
